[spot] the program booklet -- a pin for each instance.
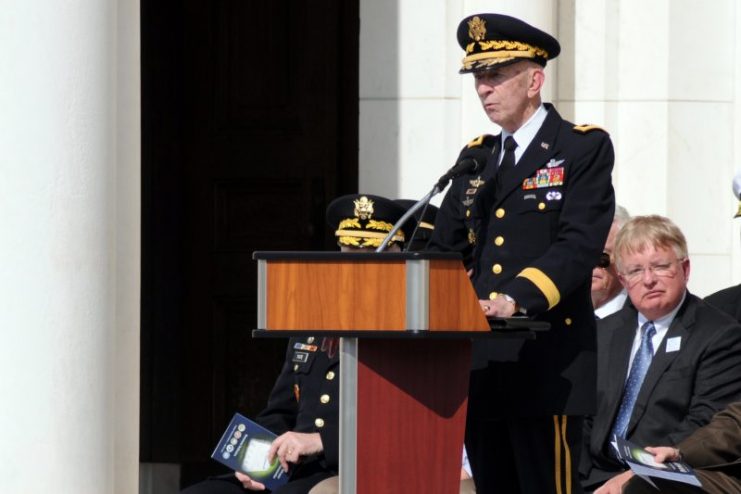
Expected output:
(642, 463)
(244, 448)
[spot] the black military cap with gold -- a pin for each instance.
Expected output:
(364, 220)
(426, 224)
(495, 40)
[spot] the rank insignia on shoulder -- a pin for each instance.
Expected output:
(304, 346)
(545, 177)
(588, 128)
(477, 182)
(476, 142)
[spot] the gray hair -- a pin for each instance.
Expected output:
(622, 216)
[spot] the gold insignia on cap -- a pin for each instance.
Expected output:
(476, 29)
(363, 208)
(349, 223)
(379, 225)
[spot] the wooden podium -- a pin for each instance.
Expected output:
(406, 321)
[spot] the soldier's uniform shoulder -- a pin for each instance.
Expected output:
(484, 140)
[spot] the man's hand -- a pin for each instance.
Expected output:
(289, 447)
(615, 484)
(499, 307)
(248, 483)
(664, 453)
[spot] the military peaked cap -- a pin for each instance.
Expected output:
(495, 40)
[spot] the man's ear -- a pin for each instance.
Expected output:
(537, 79)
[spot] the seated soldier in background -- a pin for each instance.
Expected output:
(303, 405)
(608, 295)
(729, 299)
(667, 361)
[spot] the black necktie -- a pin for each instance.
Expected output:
(507, 165)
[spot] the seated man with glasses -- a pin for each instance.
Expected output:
(608, 295)
(666, 362)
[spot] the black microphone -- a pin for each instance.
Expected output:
(471, 161)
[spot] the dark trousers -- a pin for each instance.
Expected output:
(534, 455)
(228, 484)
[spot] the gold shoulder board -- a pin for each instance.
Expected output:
(588, 128)
(476, 142)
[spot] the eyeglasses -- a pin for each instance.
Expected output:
(604, 260)
(660, 269)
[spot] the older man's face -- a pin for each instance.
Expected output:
(605, 282)
(655, 279)
(504, 93)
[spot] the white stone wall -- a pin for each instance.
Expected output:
(69, 276)
(661, 76)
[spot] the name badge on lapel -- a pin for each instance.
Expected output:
(673, 344)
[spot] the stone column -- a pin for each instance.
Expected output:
(662, 77)
(69, 244)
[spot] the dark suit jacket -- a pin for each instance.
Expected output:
(728, 300)
(716, 448)
(537, 242)
(681, 391)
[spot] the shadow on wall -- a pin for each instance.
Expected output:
(379, 97)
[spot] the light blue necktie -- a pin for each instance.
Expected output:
(641, 362)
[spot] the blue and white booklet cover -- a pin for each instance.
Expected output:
(642, 463)
(244, 447)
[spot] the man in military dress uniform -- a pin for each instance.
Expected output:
(303, 407)
(531, 227)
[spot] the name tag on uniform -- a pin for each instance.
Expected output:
(673, 344)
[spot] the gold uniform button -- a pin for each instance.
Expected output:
(468, 213)
(541, 206)
(330, 375)
(310, 339)
(568, 321)
(500, 213)
(295, 367)
(324, 399)
(499, 241)
(319, 423)
(493, 295)
(497, 268)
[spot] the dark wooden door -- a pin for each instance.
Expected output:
(249, 129)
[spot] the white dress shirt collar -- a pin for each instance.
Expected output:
(526, 133)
